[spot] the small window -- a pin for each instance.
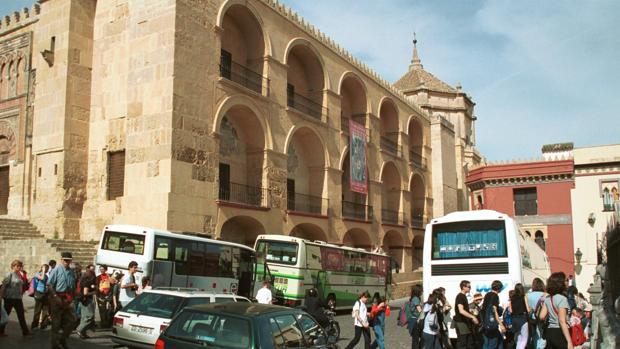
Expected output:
(525, 201)
(116, 174)
(163, 249)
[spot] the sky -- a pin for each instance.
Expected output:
(539, 72)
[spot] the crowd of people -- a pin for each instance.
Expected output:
(552, 316)
(66, 297)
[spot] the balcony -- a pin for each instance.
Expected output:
(390, 217)
(389, 145)
(305, 105)
(243, 194)
(357, 118)
(417, 213)
(417, 160)
(354, 210)
(307, 204)
(245, 77)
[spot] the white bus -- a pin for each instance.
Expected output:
(338, 273)
(178, 260)
(479, 246)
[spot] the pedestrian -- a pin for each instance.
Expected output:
(475, 309)
(463, 319)
(13, 288)
(431, 324)
(52, 265)
(40, 298)
(556, 307)
(128, 284)
(104, 297)
(115, 289)
(61, 289)
(413, 309)
(520, 308)
(492, 324)
(360, 322)
(76, 268)
(443, 316)
(263, 295)
(87, 299)
(571, 281)
(535, 298)
(378, 313)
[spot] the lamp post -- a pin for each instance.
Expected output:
(578, 256)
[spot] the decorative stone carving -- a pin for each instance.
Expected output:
(74, 197)
(8, 146)
(152, 169)
(277, 186)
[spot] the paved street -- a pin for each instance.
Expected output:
(396, 337)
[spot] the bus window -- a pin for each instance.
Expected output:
(332, 259)
(469, 239)
(163, 249)
(361, 263)
(123, 242)
(279, 251)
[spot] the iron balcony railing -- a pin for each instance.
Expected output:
(356, 211)
(417, 160)
(358, 118)
(417, 212)
(390, 217)
(245, 77)
(306, 203)
(244, 194)
(305, 105)
(389, 145)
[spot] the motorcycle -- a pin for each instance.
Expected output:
(333, 327)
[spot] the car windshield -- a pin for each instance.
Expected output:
(154, 304)
(211, 330)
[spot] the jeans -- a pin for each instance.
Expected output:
(493, 342)
(465, 341)
(359, 331)
(87, 320)
(106, 311)
(415, 336)
(379, 340)
(40, 310)
(63, 319)
(18, 304)
(431, 341)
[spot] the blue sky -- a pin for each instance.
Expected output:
(539, 71)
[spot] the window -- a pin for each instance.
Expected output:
(116, 174)
(279, 252)
(123, 242)
(211, 330)
(226, 64)
(539, 238)
(526, 203)
(197, 301)
(472, 239)
(287, 332)
(154, 304)
(311, 328)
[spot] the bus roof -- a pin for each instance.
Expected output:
(278, 237)
(128, 228)
(478, 215)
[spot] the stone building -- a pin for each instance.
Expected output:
(230, 118)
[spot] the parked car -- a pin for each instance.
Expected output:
(244, 326)
(139, 324)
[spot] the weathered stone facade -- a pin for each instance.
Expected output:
(232, 119)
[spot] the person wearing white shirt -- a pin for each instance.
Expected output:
(263, 295)
(360, 315)
(128, 285)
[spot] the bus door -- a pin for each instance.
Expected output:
(261, 272)
(247, 266)
(161, 273)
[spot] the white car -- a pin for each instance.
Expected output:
(139, 324)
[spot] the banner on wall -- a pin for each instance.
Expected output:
(357, 158)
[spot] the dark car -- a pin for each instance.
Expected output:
(244, 325)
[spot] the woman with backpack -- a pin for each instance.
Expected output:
(555, 312)
(431, 323)
(519, 308)
(413, 310)
(39, 282)
(13, 287)
(535, 298)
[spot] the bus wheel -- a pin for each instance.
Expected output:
(331, 301)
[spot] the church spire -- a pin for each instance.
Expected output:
(415, 60)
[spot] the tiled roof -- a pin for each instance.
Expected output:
(417, 78)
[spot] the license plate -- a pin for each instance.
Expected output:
(141, 329)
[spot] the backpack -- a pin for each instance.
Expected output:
(32, 287)
(402, 320)
(534, 314)
(577, 335)
(507, 317)
(489, 322)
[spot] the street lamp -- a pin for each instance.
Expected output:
(578, 256)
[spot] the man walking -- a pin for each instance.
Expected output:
(87, 294)
(463, 319)
(61, 288)
(128, 285)
(263, 295)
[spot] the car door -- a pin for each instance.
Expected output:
(286, 333)
(314, 335)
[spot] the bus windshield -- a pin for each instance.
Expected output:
(123, 242)
(469, 239)
(278, 251)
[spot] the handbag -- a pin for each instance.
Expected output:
(32, 287)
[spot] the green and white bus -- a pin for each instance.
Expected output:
(338, 273)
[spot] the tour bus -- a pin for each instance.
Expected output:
(179, 259)
(479, 246)
(338, 273)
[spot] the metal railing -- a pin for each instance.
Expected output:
(356, 211)
(244, 194)
(417, 160)
(245, 77)
(417, 213)
(358, 118)
(389, 145)
(389, 216)
(306, 203)
(305, 105)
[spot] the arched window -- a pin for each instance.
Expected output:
(539, 238)
(2, 81)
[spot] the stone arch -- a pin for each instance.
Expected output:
(388, 102)
(391, 186)
(418, 199)
(415, 133)
(357, 238)
(390, 166)
(242, 100)
(242, 230)
(394, 245)
(343, 157)
(8, 146)
(308, 231)
(298, 41)
(20, 75)
(351, 75)
(229, 3)
(297, 128)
